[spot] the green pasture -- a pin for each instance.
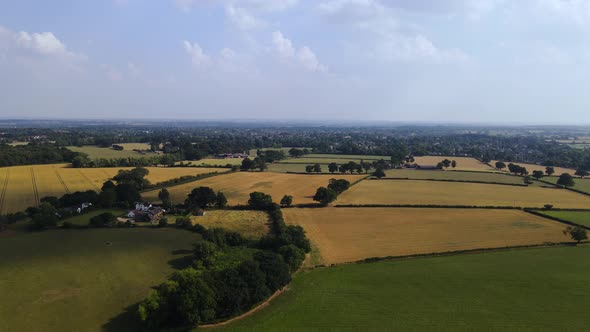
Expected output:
(577, 217)
(453, 176)
(580, 184)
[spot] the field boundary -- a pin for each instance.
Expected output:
(198, 177)
(3, 191)
(563, 221)
(35, 189)
(61, 180)
(460, 181)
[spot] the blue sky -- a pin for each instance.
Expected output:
(500, 61)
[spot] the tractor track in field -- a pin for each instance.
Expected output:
(3, 190)
(88, 179)
(62, 181)
(35, 189)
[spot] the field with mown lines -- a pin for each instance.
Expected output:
(351, 234)
(238, 186)
(532, 167)
(456, 193)
(20, 192)
(463, 163)
(455, 176)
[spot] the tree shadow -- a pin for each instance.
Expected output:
(181, 252)
(125, 321)
(181, 262)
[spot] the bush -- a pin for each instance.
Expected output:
(163, 222)
(260, 201)
(548, 206)
(105, 219)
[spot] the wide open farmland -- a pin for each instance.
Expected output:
(463, 163)
(238, 186)
(408, 192)
(351, 234)
(64, 280)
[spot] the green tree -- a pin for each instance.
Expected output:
(287, 200)
(164, 196)
(549, 170)
(446, 163)
(205, 253)
(366, 166)
(577, 233)
(317, 168)
(500, 165)
(379, 173)
(332, 167)
(194, 300)
(309, 168)
(201, 197)
(105, 219)
(292, 255)
(221, 200)
(454, 164)
(247, 164)
(582, 172)
(260, 201)
(339, 185)
(566, 180)
(275, 269)
(538, 174)
(44, 216)
(128, 193)
(325, 195)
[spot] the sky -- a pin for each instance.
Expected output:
(435, 61)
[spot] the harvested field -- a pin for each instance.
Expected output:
(251, 224)
(238, 186)
(408, 192)
(453, 176)
(351, 234)
(463, 163)
(533, 167)
(23, 186)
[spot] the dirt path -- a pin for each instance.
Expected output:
(246, 314)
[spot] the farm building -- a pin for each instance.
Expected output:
(146, 212)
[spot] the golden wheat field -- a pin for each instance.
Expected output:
(351, 234)
(455, 193)
(463, 163)
(238, 186)
(532, 167)
(23, 186)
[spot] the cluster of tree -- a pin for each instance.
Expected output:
(326, 195)
(253, 164)
(566, 180)
(446, 163)
(517, 169)
(205, 293)
(32, 154)
(576, 233)
(296, 153)
(351, 167)
(201, 198)
(82, 161)
(118, 147)
(270, 156)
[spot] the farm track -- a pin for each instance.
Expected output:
(35, 189)
(62, 181)
(3, 190)
(89, 181)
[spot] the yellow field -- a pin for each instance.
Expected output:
(238, 186)
(533, 167)
(351, 234)
(25, 185)
(138, 146)
(251, 224)
(463, 163)
(455, 193)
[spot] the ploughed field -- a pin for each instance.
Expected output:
(82, 280)
(23, 186)
(408, 192)
(238, 186)
(352, 234)
(519, 290)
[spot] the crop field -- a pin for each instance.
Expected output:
(453, 175)
(238, 186)
(351, 234)
(251, 224)
(580, 184)
(463, 163)
(95, 152)
(23, 186)
(578, 217)
(519, 290)
(532, 167)
(408, 192)
(72, 280)
(296, 168)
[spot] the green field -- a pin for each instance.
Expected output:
(95, 152)
(454, 175)
(523, 290)
(82, 280)
(84, 219)
(578, 217)
(580, 184)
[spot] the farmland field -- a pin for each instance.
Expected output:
(520, 290)
(351, 234)
(25, 185)
(457, 193)
(95, 152)
(532, 167)
(580, 184)
(456, 175)
(578, 217)
(238, 186)
(72, 280)
(251, 224)
(463, 163)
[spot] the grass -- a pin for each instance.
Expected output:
(521, 290)
(580, 184)
(95, 152)
(83, 280)
(251, 224)
(84, 219)
(408, 192)
(238, 186)
(352, 234)
(578, 217)
(23, 186)
(453, 175)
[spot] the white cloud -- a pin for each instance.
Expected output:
(303, 57)
(44, 42)
(242, 19)
(198, 57)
